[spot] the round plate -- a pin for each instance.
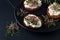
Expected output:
(41, 11)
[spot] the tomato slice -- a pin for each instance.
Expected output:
(58, 16)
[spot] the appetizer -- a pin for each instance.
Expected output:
(53, 10)
(31, 5)
(32, 21)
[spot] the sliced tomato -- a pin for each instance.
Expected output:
(58, 16)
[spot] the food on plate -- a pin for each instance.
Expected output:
(31, 5)
(53, 10)
(32, 21)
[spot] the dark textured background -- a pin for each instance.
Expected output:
(6, 15)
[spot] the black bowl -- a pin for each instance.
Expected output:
(41, 11)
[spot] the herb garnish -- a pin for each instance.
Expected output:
(49, 21)
(30, 21)
(11, 29)
(21, 12)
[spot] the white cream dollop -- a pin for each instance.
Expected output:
(54, 9)
(31, 24)
(34, 6)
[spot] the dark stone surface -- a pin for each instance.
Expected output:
(6, 15)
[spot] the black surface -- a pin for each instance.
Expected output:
(6, 15)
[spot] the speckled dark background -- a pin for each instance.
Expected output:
(6, 15)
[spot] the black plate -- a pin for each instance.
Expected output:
(42, 10)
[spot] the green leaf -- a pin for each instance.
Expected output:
(28, 1)
(55, 0)
(10, 30)
(51, 24)
(29, 21)
(18, 13)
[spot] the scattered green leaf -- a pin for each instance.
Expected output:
(10, 30)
